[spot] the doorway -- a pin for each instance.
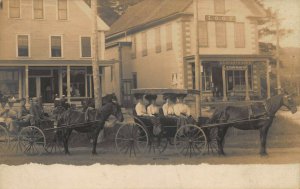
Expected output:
(217, 80)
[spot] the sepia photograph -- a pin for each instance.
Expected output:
(154, 94)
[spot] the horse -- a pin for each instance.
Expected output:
(262, 113)
(93, 121)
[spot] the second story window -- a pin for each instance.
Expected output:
(86, 47)
(144, 44)
(157, 40)
(133, 47)
(239, 35)
(203, 34)
(219, 6)
(14, 9)
(38, 9)
(23, 45)
(169, 36)
(56, 46)
(221, 34)
(62, 8)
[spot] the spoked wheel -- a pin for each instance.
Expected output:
(54, 144)
(158, 145)
(132, 139)
(4, 139)
(212, 143)
(190, 140)
(32, 140)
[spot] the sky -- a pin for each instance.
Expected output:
(289, 11)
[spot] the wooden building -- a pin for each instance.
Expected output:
(154, 43)
(45, 49)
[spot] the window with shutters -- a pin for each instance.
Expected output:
(203, 34)
(23, 46)
(219, 6)
(56, 46)
(38, 9)
(133, 47)
(221, 34)
(144, 44)
(169, 36)
(239, 35)
(157, 40)
(86, 47)
(62, 8)
(14, 9)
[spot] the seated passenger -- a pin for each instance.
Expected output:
(140, 107)
(180, 108)
(168, 107)
(3, 110)
(152, 109)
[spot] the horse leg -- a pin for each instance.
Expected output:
(220, 140)
(263, 140)
(94, 152)
(66, 140)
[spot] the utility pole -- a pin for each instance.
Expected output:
(95, 65)
(198, 78)
(277, 53)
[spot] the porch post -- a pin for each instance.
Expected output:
(268, 79)
(27, 84)
(20, 83)
(247, 85)
(68, 83)
(85, 83)
(60, 83)
(224, 83)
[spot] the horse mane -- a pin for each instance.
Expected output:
(274, 103)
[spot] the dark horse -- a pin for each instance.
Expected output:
(257, 111)
(91, 121)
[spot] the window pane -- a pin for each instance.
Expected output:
(38, 9)
(86, 47)
(62, 10)
(9, 82)
(23, 46)
(239, 35)
(14, 8)
(157, 40)
(55, 46)
(221, 34)
(203, 34)
(144, 44)
(219, 6)
(169, 37)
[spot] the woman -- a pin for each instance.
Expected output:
(140, 107)
(168, 107)
(152, 109)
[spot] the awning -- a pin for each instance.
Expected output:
(222, 58)
(56, 62)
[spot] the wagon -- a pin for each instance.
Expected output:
(188, 139)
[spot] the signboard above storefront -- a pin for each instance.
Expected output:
(236, 67)
(220, 18)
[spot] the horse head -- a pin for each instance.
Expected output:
(289, 102)
(110, 106)
(117, 111)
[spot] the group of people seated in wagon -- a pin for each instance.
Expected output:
(174, 108)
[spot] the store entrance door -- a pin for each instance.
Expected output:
(217, 81)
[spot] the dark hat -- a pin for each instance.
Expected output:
(181, 95)
(138, 96)
(150, 97)
(170, 96)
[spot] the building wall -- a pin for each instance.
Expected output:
(232, 8)
(79, 23)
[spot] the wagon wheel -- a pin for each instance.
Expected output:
(190, 140)
(131, 139)
(158, 144)
(4, 139)
(212, 143)
(54, 144)
(32, 140)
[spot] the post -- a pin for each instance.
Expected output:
(224, 83)
(27, 84)
(97, 88)
(20, 83)
(198, 78)
(68, 83)
(60, 83)
(268, 79)
(247, 85)
(277, 54)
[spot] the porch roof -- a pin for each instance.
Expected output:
(220, 58)
(55, 62)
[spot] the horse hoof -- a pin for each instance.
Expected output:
(263, 154)
(67, 153)
(222, 154)
(94, 153)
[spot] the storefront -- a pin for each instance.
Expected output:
(230, 77)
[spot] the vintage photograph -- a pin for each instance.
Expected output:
(150, 94)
